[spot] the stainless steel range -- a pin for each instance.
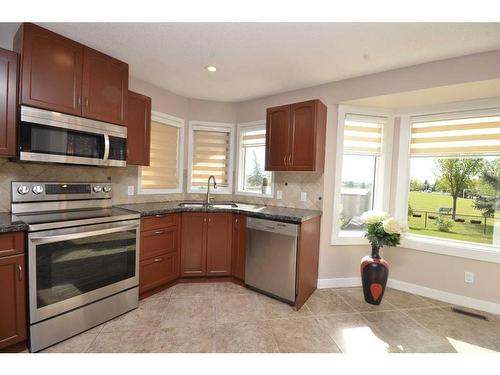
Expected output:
(83, 257)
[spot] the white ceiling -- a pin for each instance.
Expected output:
(259, 59)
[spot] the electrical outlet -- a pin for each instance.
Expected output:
(279, 194)
(469, 277)
(130, 190)
(303, 196)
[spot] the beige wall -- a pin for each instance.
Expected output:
(430, 270)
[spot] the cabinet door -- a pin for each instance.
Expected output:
(51, 70)
(277, 138)
(12, 300)
(158, 271)
(193, 244)
(303, 136)
(105, 88)
(219, 244)
(239, 246)
(8, 98)
(138, 129)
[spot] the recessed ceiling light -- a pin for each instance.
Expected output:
(211, 68)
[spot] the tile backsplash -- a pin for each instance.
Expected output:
(291, 184)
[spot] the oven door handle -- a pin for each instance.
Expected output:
(106, 147)
(39, 240)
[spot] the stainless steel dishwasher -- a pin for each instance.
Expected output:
(271, 257)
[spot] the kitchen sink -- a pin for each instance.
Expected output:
(203, 204)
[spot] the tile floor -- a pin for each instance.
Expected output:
(225, 317)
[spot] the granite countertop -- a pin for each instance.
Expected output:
(10, 223)
(289, 215)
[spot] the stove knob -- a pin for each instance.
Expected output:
(106, 189)
(38, 189)
(97, 189)
(23, 190)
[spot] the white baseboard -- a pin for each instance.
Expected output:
(455, 299)
(341, 282)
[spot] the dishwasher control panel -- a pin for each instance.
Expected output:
(272, 226)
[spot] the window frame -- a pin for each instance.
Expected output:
(382, 192)
(217, 127)
(451, 247)
(179, 123)
(240, 128)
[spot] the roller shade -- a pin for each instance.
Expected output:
(162, 172)
(254, 138)
(466, 136)
(210, 157)
(363, 134)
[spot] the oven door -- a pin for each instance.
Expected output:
(72, 267)
(58, 138)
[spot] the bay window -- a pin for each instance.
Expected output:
(364, 150)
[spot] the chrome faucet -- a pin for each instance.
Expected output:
(207, 202)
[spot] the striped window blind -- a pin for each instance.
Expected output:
(163, 170)
(363, 134)
(465, 136)
(210, 157)
(253, 138)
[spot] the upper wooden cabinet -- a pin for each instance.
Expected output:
(62, 75)
(8, 98)
(295, 137)
(104, 88)
(138, 129)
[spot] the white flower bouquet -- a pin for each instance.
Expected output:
(382, 229)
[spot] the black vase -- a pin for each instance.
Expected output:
(374, 274)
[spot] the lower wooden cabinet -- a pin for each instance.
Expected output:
(12, 291)
(206, 244)
(239, 244)
(159, 259)
(157, 271)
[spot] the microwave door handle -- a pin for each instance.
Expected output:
(39, 240)
(106, 147)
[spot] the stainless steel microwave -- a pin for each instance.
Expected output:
(47, 136)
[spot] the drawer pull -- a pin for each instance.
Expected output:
(20, 269)
(158, 259)
(159, 232)
(158, 215)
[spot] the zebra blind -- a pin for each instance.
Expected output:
(163, 170)
(210, 157)
(253, 138)
(465, 136)
(363, 134)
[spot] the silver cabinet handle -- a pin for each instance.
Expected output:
(159, 232)
(20, 269)
(78, 101)
(86, 102)
(158, 215)
(284, 159)
(290, 159)
(158, 260)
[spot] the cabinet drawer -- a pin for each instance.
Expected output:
(159, 241)
(11, 243)
(157, 271)
(159, 221)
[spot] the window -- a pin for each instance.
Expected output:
(164, 173)
(252, 179)
(364, 148)
(210, 154)
(454, 177)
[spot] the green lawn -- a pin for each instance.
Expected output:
(466, 231)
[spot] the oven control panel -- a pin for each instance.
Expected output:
(55, 191)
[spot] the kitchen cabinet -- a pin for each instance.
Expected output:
(138, 129)
(61, 75)
(206, 244)
(194, 244)
(13, 291)
(159, 259)
(8, 100)
(219, 244)
(239, 243)
(295, 137)
(104, 88)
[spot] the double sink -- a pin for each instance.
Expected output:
(207, 205)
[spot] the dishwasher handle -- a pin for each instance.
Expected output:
(272, 226)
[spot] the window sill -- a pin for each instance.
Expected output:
(158, 191)
(212, 191)
(249, 194)
(454, 248)
(349, 238)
